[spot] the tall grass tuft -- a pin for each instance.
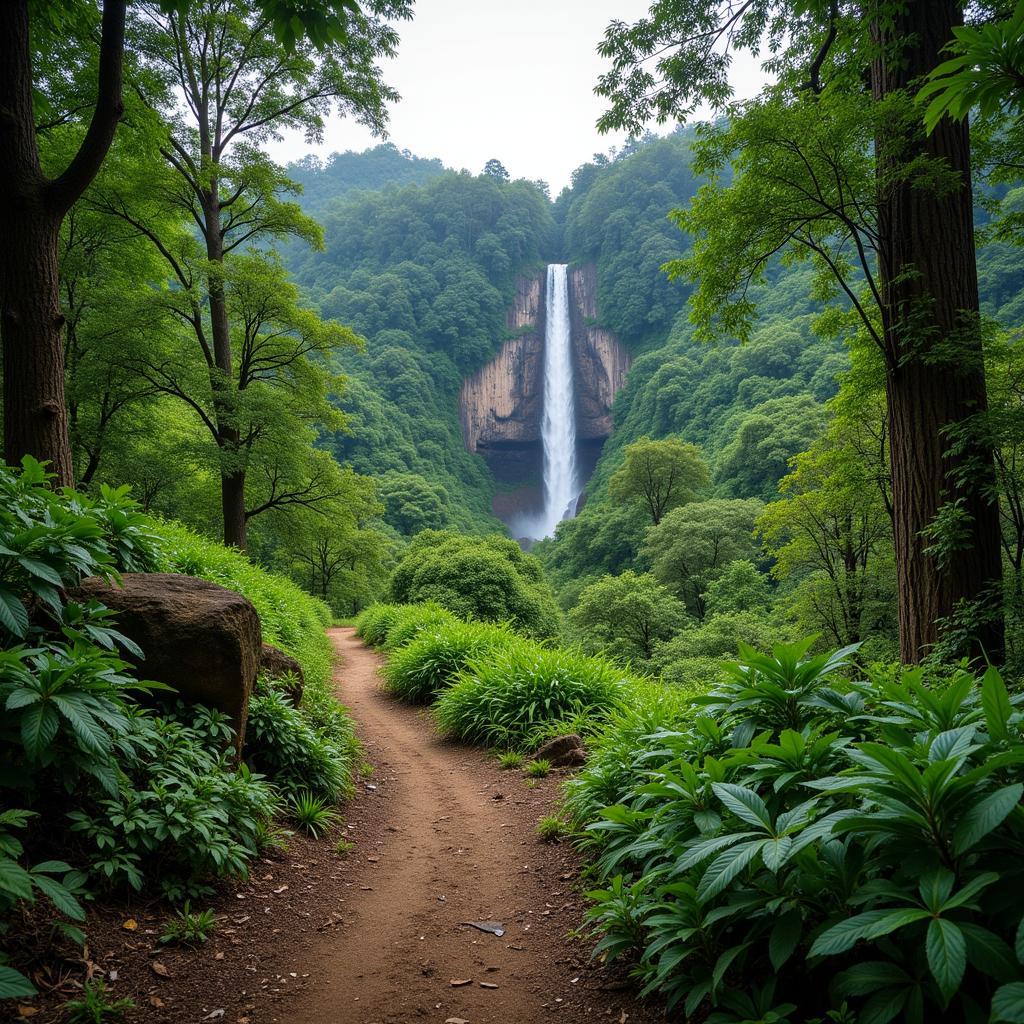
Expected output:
(373, 623)
(412, 619)
(418, 672)
(510, 698)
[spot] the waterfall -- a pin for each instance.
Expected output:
(558, 427)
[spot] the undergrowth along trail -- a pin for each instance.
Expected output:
(459, 845)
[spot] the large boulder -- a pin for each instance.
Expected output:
(275, 664)
(200, 638)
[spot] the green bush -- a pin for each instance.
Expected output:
(373, 623)
(419, 671)
(810, 841)
(489, 579)
(508, 698)
(413, 619)
(294, 751)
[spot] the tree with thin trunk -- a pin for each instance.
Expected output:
(33, 204)
(235, 88)
(833, 164)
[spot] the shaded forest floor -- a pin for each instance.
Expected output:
(440, 837)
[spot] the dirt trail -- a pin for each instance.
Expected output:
(451, 850)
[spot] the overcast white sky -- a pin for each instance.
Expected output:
(495, 78)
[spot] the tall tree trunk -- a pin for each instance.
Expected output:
(32, 207)
(232, 479)
(935, 369)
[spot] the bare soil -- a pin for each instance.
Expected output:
(440, 837)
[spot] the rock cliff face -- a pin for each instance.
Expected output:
(501, 405)
(600, 361)
(503, 401)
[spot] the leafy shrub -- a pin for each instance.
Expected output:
(489, 579)
(413, 619)
(20, 883)
(373, 623)
(551, 828)
(284, 743)
(540, 768)
(418, 671)
(508, 697)
(182, 812)
(188, 927)
(856, 841)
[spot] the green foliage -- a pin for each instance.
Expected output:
(742, 587)
(488, 578)
(373, 623)
(284, 743)
(182, 812)
(802, 817)
(539, 768)
(626, 617)
(509, 759)
(412, 620)
(690, 548)
(23, 884)
(312, 813)
(189, 928)
(510, 697)
(659, 475)
(985, 72)
(551, 827)
(421, 669)
(96, 1006)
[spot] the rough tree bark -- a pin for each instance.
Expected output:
(935, 369)
(32, 207)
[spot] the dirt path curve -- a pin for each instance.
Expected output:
(451, 850)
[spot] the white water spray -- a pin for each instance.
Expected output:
(558, 428)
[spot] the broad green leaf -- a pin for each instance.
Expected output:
(784, 938)
(995, 702)
(947, 955)
(744, 803)
(1008, 1004)
(13, 616)
(725, 867)
(984, 816)
(14, 879)
(863, 979)
(38, 727)
(14, 984)
(872, 924)
(60, 897)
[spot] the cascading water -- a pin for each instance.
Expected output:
(558, 427)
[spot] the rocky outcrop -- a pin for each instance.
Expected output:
(502, 402)
(197, 637)
(600, 360)
(562, 751)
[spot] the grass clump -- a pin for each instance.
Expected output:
(551, 828)
(412, 620)
(188, 928)
(313, 814)
(343, 847)
(419, 671)
(373, 623)
(510, 759)
(511, 696)
(538, 769)
(96, 1006)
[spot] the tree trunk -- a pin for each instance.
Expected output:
(232, 479)
(35, 416)
(32, 207)
(935, 368)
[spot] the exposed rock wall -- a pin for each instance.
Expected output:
(600, 361)
(503, 401)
